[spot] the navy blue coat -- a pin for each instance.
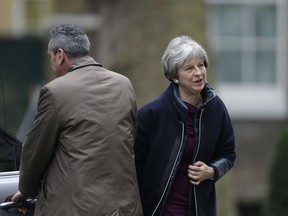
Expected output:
(161, 138)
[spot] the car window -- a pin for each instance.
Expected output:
(10, 150)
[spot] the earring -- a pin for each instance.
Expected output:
(176, 81)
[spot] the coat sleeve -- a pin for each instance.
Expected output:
(225, 154)
(142, 142)
(39, 146)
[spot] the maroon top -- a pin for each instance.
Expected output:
(177, 201)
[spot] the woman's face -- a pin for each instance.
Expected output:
(191, 77)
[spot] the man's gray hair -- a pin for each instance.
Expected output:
(70, 38)
(179, 50)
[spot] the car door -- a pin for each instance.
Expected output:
(10, 151)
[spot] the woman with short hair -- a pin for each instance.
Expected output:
(185, 140)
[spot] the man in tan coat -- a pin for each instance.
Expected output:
(78, 158)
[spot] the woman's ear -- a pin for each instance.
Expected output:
(175, 80)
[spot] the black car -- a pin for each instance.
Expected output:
(10, 151)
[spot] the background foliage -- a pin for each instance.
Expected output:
(277, 199)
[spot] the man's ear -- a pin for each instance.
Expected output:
(60, 55)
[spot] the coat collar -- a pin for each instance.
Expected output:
(83, 62)
(208, 93)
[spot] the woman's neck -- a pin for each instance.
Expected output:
(195, 100)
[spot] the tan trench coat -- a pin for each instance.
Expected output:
(79, 155)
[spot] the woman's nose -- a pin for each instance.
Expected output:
(197, 70)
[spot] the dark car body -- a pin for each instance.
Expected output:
(10, 152)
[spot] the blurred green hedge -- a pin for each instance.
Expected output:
(277, 197)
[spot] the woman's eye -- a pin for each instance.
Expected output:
(188, 68)
(201, 66)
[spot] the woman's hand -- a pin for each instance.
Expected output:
(199, 171)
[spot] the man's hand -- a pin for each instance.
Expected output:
(18, 197)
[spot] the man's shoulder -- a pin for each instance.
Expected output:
(117, 75)
(54, 82)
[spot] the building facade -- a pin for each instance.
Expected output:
(249, 42)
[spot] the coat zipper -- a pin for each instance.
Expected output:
(167, 183)
(198, 146)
